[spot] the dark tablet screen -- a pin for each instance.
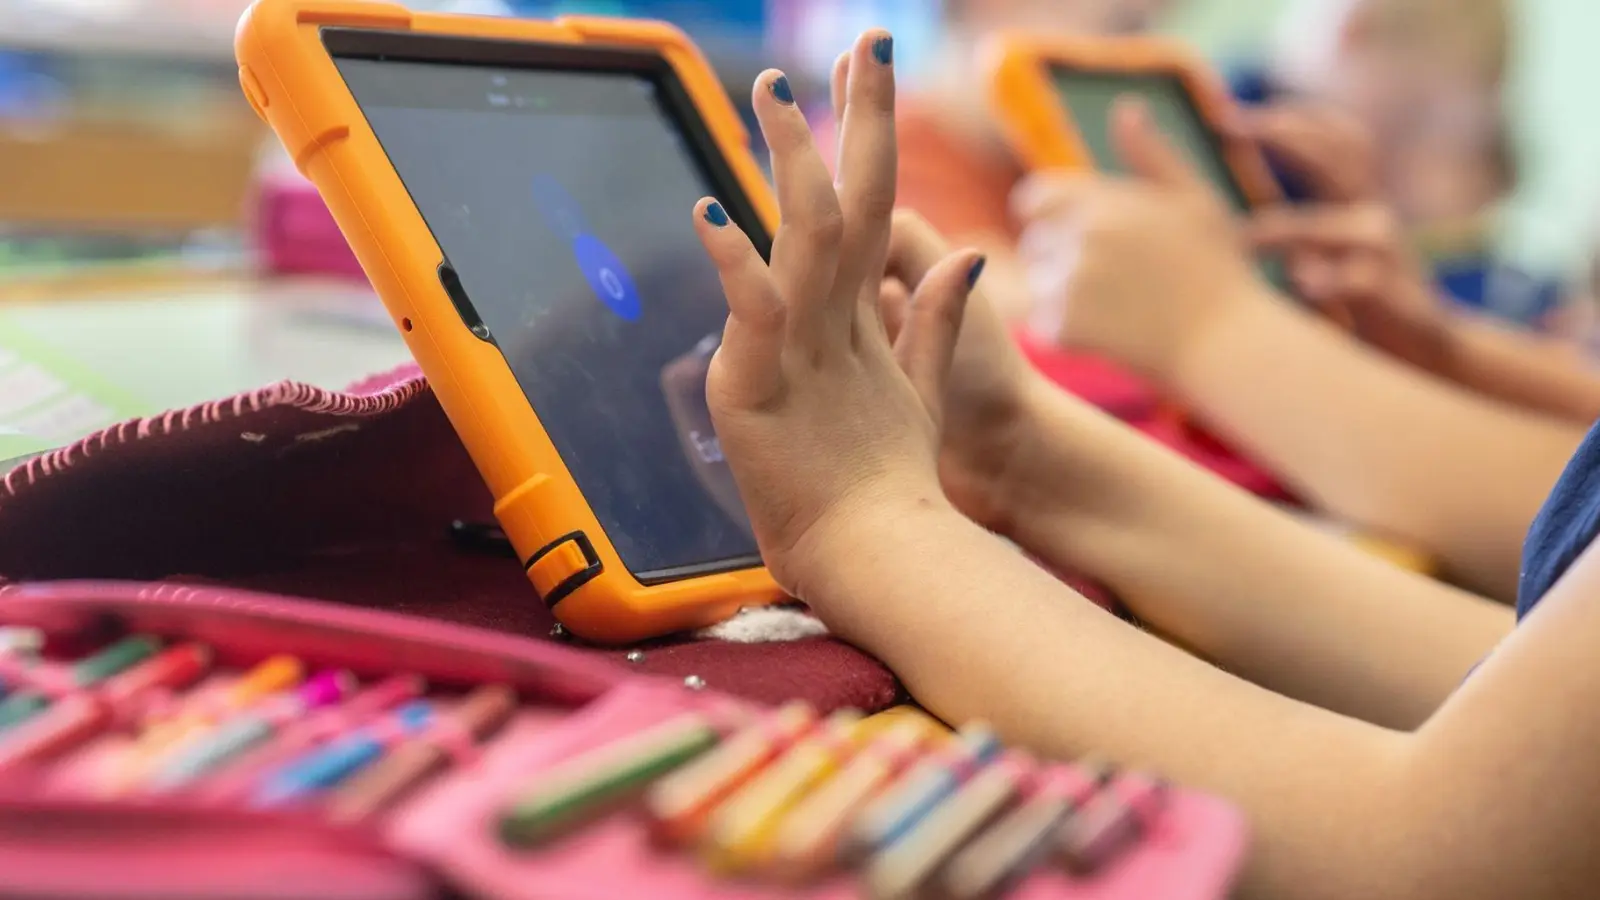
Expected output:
(1089, 96)
(561, 191)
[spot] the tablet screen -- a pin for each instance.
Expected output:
(1089, 97)
(563, 201)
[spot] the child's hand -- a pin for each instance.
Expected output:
(819, 424)
(985, 391)
(1136, 269)
(1354, 263)
(1330, 149)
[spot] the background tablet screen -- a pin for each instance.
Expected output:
(1089, 97)
(564, 201)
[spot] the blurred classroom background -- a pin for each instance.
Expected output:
(143, 208)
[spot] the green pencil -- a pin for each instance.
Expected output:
(24, 705)
(570, 793)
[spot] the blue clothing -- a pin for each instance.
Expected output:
(1483, 285)
(1565, 526)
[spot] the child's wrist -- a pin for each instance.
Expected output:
(850, 534)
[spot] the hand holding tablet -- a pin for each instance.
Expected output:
(1157, 259)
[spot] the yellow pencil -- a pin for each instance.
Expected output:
(739, 834)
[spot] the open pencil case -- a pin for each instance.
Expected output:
(149, 799)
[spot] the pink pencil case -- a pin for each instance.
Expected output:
(65, 834)
(295, 233)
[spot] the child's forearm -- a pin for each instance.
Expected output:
(1522, 369)
(976, 631)
(1234, 580)
(1375, 443)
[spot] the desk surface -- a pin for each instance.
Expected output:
(70, 364)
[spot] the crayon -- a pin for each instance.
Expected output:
(583, 786)
(905, 867)
(24, 705)
(238, 736)
(739, 834)
(76, 718)
(483, 713)
(807, 842)
(927, 784)
(680, 803)
(331, 765)
(1107, 825)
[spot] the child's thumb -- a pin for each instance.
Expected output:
(1143, 149)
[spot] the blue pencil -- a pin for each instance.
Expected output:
(327, 767)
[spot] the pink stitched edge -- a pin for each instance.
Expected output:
(293, 394)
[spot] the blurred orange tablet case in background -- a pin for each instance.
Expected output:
(287, 71)
(1042, 131)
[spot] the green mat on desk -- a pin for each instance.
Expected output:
(47, 398)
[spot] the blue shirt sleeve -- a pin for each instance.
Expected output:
(1565, 526)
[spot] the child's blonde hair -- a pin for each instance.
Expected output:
(1474, 36)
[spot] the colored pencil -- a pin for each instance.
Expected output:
(1109, 824)
(78, 717)
(739, 834)
(587, 784)
(680, 803)
(238, 736)
(927, 784)
(329, 766)
(903, 869)
(808, 840)
(23, 705)
(483, 713)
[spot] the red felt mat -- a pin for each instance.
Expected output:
(345, 497)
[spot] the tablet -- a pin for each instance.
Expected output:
(521, 195)
(1054, 99)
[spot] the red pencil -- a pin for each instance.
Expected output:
(81, 715)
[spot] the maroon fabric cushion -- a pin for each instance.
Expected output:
(347, 497)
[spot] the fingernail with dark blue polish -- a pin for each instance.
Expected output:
(716, 215)
(883, 50)
(975, 271)
(780, 90)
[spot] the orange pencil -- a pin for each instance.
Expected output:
(680, 804)
(807, 841)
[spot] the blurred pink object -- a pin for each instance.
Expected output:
(295, 233)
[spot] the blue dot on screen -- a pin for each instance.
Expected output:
(612, 284)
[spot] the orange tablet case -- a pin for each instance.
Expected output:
(293, 84)
(1042, 131)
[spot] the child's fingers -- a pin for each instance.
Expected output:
(1332, 152)
(754, 337)
(868, 161)
(927, 340)
(805, 249)
(1053, 194)
(1144, 150)
(894, 300)
(1333, 227)
(838, 84)
(915, 246)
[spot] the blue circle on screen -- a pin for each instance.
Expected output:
(607, 276)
